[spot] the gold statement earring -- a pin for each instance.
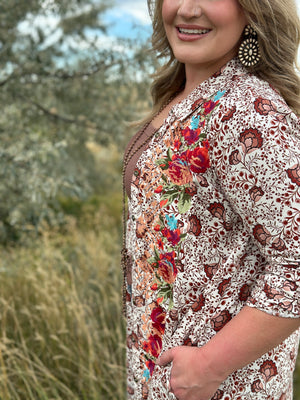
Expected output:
(249, 54)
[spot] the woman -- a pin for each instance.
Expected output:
(212, 255)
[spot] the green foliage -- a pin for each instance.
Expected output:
(62, 89)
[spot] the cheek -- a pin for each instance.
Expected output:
(168, 11)
(230, 19)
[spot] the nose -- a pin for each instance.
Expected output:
(189, 9)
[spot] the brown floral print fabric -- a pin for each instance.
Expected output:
(213, 226)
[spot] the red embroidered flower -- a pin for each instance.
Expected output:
(158, 189)
(221, 320)
(194, 225)
(256, 386)
(167, 268)
(179, 172)
(294, 174)
(251, 139)
(264, 106)
(256, 193)
(172, 236)
(268, 370)
(235, 158)
(209, 106)
(153, 345)
(261, 234)
(176, 144)
(217, 210)
(162, 203)
(191, 136)
(244, 292)
(160, 244)
(199, 159)
(158, 317)
(150, 365)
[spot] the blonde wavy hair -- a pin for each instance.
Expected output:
(278, 27)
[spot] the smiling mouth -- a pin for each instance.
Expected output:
(193, 31)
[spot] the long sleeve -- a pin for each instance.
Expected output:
(257, 164)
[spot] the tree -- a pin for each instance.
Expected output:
(61, 88)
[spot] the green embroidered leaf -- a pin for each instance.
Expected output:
(184, 204)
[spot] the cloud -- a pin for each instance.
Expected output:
(137, 9)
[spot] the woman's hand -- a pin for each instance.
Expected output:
(192, 375)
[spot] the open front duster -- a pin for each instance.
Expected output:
(213, 226)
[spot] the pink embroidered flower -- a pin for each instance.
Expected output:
(229, 114)
(218, 395)
(194, 225)
(235, 158)
(268, 370)
(271, 293)
(264, 106)
(210, 270)
(256, 193)
(220, 320)
(294, 174)
(278, 244)
(261, 234)
(223, 285)
(251, 139)
(217, 210)
(256, 386)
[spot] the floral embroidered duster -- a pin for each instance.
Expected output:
(214, 225)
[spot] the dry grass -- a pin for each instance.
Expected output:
(62, 335)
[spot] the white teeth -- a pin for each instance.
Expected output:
(193, 31)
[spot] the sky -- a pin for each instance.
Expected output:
(127, 13)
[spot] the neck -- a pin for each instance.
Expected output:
(196, 74)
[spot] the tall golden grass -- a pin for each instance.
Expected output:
(62, 334)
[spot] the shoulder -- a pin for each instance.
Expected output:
(252, 102)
